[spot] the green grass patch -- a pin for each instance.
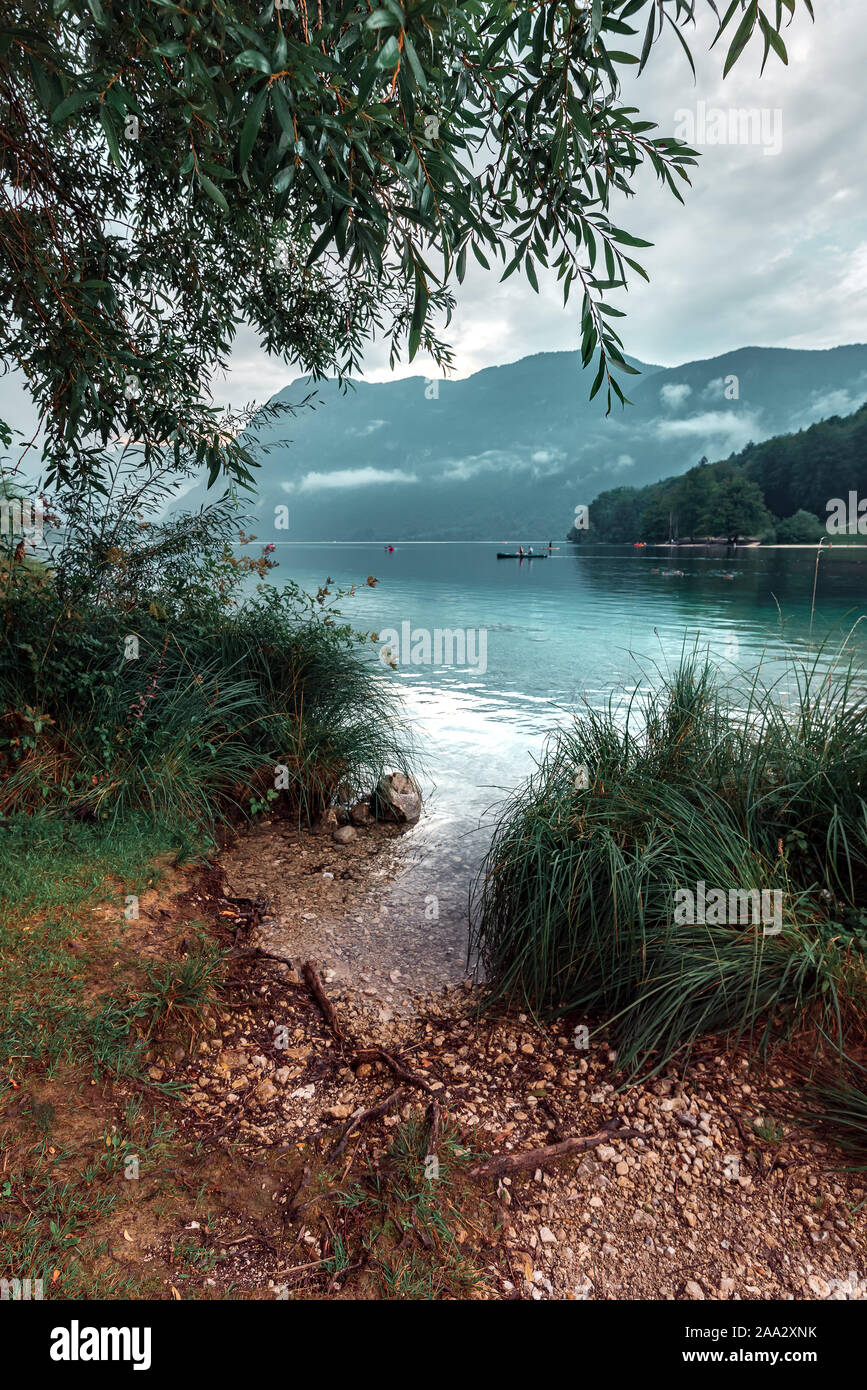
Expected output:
(408, 1225)
(580, 904)
(56, 1004)
(78, 1009)
(59, 1200)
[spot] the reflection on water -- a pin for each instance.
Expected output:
(586, 625)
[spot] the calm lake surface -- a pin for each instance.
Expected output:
(581, 625)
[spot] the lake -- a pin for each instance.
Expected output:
(579, 626)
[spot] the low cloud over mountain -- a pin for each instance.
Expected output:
(511, 451)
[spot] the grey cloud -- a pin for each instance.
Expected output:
(719, 428)
(500, 461)
(841, 402)
(675, 394)
(343, 478)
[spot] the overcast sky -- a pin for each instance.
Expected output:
(770, 249)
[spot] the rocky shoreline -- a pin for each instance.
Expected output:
(717, 1195)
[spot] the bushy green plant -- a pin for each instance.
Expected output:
(803, 528)
(576, 905)
(141, 666)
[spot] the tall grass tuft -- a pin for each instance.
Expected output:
(188, 691)
(836, 1103)
(756, 786)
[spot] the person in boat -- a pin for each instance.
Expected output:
(550, 545)
(530, 551)
(521, 551)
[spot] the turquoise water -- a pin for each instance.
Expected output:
(580, 625)
(577, 626)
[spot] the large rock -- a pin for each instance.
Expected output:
(398, 798)
(328, 822)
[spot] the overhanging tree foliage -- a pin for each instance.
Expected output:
(319, 169)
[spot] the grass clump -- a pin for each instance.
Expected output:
(583, 903)
(835, 1102)
(404, 1223)
(148, 666)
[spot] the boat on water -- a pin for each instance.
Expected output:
(513, 555)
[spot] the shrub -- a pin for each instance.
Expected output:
(576, 907)
(804, 528)
(142, 667)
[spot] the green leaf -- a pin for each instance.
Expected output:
(213, 192)
(284, 178)
(600, 377)
(282, 109)
(98, 13)
(648, 38)
(389, 55)
(252, 58)
(627, 239)
(419, 313)
(774, 40)
(539, 38)
(412, 57)
(70, 104)
(742, 36)
(251, 126)
(682, 41)
(381, 19)
(319, 245)
(111, 136)
(172, 48)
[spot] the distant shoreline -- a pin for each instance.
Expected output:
(564, 544)
(748, 545)
(724, 545)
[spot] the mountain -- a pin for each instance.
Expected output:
(511, 451)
